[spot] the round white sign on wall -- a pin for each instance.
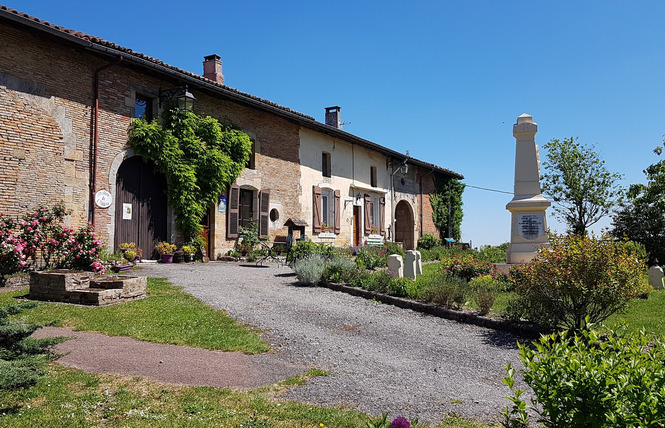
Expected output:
(103, 199)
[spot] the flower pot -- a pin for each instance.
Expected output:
(118, 268)
(188, 258)
(167, 258)
(137, 259)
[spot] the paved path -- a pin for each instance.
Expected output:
(381, 358)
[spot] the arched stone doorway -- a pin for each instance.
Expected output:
(140, 205)
(404, 225)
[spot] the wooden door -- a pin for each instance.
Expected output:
(356, 226)
(205, 232)
(140, 205)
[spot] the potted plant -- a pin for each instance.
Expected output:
(166, 251)
(188, 252)
(373, 230)
(130, 255)
(325, 227)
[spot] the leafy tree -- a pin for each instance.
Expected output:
(199, 157)
(447, 207)
(579, 279)
(582, 189)
(642, 217)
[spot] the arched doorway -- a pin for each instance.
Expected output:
(404, 226)
(140, 205)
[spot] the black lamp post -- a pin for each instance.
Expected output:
(181, 95)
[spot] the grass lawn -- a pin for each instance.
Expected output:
(647, 314)
(168, 315)
(67, 397)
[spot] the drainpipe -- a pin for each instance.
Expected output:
(421, 201)
(95, 140)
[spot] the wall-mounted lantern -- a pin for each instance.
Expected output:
(181, 95)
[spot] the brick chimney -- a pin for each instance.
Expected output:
(212, 68)
(333, 117)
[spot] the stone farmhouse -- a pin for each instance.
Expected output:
(68, 98)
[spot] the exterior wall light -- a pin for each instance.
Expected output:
(181, 95)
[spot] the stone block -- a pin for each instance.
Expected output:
(395, 266)
(656, 277)
(410, 265)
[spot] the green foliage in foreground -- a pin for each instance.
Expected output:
(72, 398)
(591, 379)
(167, 315)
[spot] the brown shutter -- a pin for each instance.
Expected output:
(264, 213)
(316, 210)
(382, 216)
(367, 215)
(233, 212)
(337, 216)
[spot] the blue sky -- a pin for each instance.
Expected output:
(445, 80)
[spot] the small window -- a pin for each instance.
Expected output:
(372, 176)
(143, 107)
(274, 215)
(325, 164)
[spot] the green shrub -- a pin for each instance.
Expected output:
(484, 289)
(393, 248)
(303, 249)
(493, 254)
(22, 358)
(591, 379)
(447, 290)
(371, 258)
(309, 269)
(380, 281)
(427, 241)
(339, 269)
(400, 287)
(467, 268)
(578, 277)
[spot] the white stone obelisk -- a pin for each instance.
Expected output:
(528, 229)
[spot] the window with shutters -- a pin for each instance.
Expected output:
(326, 211)
(374, 215)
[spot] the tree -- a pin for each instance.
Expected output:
(199, 157)
(447, 207)
(642, 216)
(582, 189)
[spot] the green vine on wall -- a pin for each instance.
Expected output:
(199, 156)
(447, 207)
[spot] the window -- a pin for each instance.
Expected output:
(372, 176)
(241, 210)
(375, 215)
(143, 107)
(325, 164)
(326, 211)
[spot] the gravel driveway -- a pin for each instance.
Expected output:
(381, 358)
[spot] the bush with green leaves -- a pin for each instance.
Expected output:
(371, 257)
(303, 249)
(427, 241)
(467, 267)
(446, 289)
(340, 270)
(393, 248)
(402, 287)
(21, 356)
(485, 289)
(493, 253)
(309, 269)
(579, 277)
(591, 378)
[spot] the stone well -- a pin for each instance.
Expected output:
(85, 288)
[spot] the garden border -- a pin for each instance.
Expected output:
(519, 328)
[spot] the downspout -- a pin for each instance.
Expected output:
(421, 201)
(95, 140)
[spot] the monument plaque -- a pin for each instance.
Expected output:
(530, 226)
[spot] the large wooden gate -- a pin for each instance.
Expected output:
(140, 205)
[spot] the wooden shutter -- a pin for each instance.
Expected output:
(264, 213)
(367, 215)
(337, 216)
(316, 210)
(382, 216)
(233, 212)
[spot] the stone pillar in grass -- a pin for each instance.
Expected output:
(656, 277)
(410, 265)
(395, 266)
(528, 230)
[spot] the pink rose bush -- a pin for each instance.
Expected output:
(39, 240)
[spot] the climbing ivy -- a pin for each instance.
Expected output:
(447, 206)
(199, 157)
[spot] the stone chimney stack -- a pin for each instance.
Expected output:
(212, 68)
(333, 117)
